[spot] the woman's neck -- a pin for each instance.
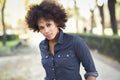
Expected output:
(55, 39)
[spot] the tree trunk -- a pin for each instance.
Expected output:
(3, 23)
(92, 21)
(111, 6)
(76, 16)
(102, 17)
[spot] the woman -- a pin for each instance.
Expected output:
(61, 53)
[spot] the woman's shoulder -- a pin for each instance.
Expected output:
(42, 43)
(73, 37)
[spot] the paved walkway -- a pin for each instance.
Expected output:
(108, 69)
(28, 66)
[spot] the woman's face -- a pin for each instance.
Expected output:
(48, 28)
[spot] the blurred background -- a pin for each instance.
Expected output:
(96, 21)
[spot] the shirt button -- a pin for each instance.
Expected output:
(53, 69)
(58, 55)
(68, 55)
(46, 56)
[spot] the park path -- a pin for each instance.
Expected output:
(27, 64)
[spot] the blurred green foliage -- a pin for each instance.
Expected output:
(6, 50)
(10, 43)
(10, 37)
(107, 45)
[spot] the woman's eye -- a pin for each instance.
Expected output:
(48, 25)
(40, 28)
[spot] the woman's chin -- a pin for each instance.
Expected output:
(50, 38)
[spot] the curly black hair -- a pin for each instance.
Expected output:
(48, 11)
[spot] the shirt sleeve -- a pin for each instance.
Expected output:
(83, 53)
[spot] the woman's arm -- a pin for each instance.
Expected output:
(91, 78)
(83, 53)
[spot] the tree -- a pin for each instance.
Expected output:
(102, 17)
(92, 6)
(100, 5)
(3, 23)
(76, 15)
(111, 7)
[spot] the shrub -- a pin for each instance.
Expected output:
(10, 37)
(107, 45)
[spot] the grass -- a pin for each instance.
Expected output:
(5, 50)
(9, 43)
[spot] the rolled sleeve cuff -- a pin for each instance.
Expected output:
(95, 74)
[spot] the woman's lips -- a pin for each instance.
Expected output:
(48, 35)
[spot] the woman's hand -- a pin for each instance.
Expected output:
(91, 78)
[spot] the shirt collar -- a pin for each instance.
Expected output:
(60, 37)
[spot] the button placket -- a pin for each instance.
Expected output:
(52, 61)
(53, 68)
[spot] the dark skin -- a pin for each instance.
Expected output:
(52, 44)
(50, 30)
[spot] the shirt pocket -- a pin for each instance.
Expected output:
(45, 59)
(66, 58)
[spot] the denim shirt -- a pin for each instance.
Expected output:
(70, 51)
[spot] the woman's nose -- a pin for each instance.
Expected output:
(46, 30)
